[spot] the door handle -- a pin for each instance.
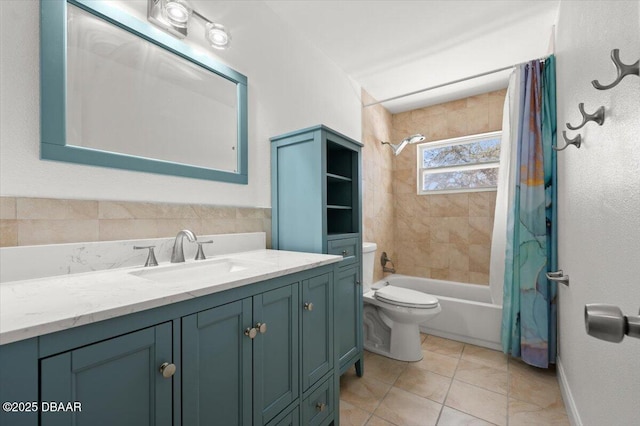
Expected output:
(607, 322)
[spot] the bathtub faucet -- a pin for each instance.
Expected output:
(384, 259)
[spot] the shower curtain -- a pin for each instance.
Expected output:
(527, 191)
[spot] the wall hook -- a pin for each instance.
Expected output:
(623, 71)
(597, 116)
(577, 141)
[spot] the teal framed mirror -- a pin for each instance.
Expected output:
(118, 92)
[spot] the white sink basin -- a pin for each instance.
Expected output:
(195, 271)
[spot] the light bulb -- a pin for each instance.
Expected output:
(217, 35)
(177, 12)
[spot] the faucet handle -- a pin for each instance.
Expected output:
(200, 254)
(151, 258)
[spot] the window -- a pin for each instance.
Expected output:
(463, 164)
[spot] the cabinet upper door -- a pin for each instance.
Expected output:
(118, 381)
(317, 328)
(216, 359)
(275, 352)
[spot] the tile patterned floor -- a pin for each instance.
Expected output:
(455, 384)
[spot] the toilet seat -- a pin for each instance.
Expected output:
(406, 297)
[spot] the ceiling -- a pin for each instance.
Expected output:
(396, 47)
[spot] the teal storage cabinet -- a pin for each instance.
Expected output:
(317, 207)
(260, 354)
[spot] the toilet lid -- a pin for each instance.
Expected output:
(406, 297)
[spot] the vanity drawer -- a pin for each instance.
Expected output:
(318, 406)
(347, 247)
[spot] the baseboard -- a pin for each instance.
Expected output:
(569, 402)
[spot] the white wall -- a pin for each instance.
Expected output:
(599, 208)
(291, 85)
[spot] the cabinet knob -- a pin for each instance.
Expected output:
(321, 406)
(167, 369)
(261, 327)
(345, 253)
(357, 282)
(251, 332)
(308, 306)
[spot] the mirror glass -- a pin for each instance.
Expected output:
(136, 98)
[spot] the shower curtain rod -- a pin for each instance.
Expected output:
(450, 83)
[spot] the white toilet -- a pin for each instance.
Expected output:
(391, 314)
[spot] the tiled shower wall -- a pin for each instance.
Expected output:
(434, 236)
(444, 236)
(377, 174)
(35, 221)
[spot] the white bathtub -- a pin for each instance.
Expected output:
(468, 315)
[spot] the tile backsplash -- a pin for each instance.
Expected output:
(37, 221)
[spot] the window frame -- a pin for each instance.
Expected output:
(462, 140)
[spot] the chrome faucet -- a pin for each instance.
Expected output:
(177, 255)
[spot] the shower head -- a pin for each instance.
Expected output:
(410, 140)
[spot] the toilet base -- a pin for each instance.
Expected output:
(403, 342)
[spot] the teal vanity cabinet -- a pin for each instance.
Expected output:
(241, 358)
(260, 354)
(316, 207)
(114, 380)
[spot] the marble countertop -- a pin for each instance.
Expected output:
(30, 308)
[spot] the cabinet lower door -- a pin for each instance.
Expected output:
(317, 329)
(275, 352)
(117, 382)
(348, 312)
(216, 373)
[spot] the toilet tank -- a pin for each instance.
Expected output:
(368, 257)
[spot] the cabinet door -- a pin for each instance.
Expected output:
(216, 373)
(348, 312)
(118, 381)
(317, 328)
(275, 352)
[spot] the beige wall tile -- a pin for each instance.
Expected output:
(458, 276)
(126, 210)
(50, 209)
(215, 212)
(7, 208)
(126, 229)
(478, 278)
(477, 120)
(480, 203)
(8, 232)
(479, 258)
(479, 101)
(221, 226)
(170, 227)
(480, 230)
(34, 232)
(249, 213)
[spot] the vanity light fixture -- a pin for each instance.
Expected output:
(173, 16)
